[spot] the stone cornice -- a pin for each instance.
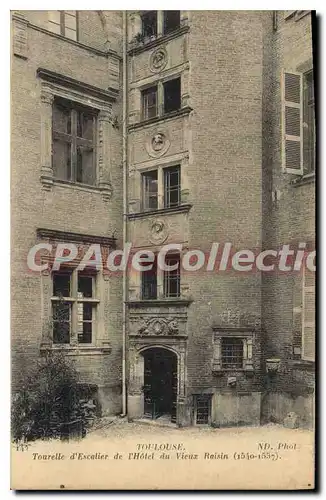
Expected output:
(85, 88)
(168, 116)
(159, 302)
(158, 41)
(53, 234)
(161, 211)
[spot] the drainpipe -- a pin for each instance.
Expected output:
(125, 207)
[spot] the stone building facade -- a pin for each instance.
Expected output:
(181, 144)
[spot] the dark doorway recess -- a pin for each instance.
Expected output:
(160, 383)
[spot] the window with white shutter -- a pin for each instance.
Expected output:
(308, 316)
(292, 121)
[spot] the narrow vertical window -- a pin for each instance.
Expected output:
(61, 307)
(172, 187)
(149, 282)
(172, 277)
(308, 316)
(203, 409)
(172, 95)
(149, 103)
(150, 194)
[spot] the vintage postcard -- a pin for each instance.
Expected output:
(163, 249)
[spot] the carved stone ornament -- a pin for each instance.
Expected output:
(159, 326)
(158, 60)
(158, 232)
(157, 144)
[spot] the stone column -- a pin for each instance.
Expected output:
(46, 139)
(104, 156)
(136, 382)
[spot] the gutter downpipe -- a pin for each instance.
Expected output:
(125, 205)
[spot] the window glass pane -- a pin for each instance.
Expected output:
(232, 353)
(70, 21)
(85, 318)
(61, 119)
(149, 24)
(54, 27)
(61, 160)
(172, 187)
(61, 322)
(85, 165)
(150, 190)
(85, 126)
(61, 284)
(72, 34)
(149, 283)
(171, 20)
(85, 286)
(172, 95)
(54, 16)
(172, 278)
(149, 98)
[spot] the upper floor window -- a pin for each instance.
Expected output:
(171, 20)
(172, 277)
(149, 24)
(172, 95)
(161, 99)
(298, 123)
(74, 306)
(150, 192)
(73, 142)
(63, 22)
(149, 283)
(149, 103)
(152, 188)
(172, 187)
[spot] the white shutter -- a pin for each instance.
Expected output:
(308, 316)
(292, 129)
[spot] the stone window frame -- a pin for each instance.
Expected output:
(74, 300)
(135, 25)
(248, 341)
(49, 91)
(160, 169)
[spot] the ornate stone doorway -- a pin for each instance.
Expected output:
(160, 383)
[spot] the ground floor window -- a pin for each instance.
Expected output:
(202, 409)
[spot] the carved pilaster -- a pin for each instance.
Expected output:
(104, 124)
(19, 31)
(46, 139)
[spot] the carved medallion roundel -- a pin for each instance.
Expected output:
(158, 232)
(157, 144)
(158, 60)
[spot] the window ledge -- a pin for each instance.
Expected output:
(159, 302)
(138, 47)
(78, 350)
(75, 185)
(180, 112)
(304, 179)
(303, 364)
(161, 211)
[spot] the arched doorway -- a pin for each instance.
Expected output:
(160, 383)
